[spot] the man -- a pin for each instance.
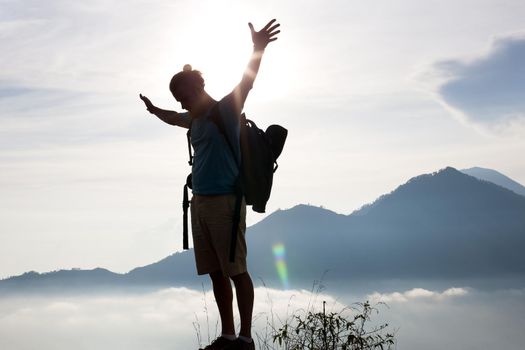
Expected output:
(214, 173)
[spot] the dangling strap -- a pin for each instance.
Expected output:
(185, 206)
(239, 193)
(188, 137)
(235, 226)
(185, 197)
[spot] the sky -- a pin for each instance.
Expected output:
(372, 93)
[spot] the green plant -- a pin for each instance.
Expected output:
(333, 331)
(351, 328)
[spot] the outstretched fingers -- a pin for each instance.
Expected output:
(273, 28)
(266, 35)
(268, 28)
(147, 102)
(268, 25)
(270, 31)
(271, 35)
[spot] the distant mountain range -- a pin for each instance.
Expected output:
(495, 177)
(446, 225)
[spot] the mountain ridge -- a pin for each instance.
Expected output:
(443, 224)
(495, 177)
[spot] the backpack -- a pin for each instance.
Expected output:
(258, 163)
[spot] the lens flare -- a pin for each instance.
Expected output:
(279, 252)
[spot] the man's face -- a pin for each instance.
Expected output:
(187, 96)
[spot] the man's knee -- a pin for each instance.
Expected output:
(218, 277)
(241, 278)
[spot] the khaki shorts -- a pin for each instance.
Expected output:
(211, 221)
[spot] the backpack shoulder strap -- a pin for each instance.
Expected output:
(188, 137)
(185, 198)
(215, 117)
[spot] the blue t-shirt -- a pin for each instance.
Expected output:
(215, 168)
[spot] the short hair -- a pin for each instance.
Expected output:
(188, 77)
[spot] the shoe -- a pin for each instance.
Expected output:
(239, 344)
(220, 343)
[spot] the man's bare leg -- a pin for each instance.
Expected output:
(222, 290)
(244, 291)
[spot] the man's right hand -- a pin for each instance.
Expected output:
(149, 106)
(169, 117)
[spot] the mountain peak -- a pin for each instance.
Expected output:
(441, 189)
(495, 177)
(302, 210)
(308, 208)
(445, 172)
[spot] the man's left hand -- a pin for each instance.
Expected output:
(262, 38)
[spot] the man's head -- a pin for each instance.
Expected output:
(187, 87)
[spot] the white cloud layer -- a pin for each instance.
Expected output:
(167, 319)
(416, 293)
(170, 318)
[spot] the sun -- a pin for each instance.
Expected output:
(219, 45)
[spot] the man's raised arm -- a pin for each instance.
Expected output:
(260, 39)
(170, 117)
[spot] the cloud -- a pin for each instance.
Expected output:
(10, 91)
(96, 47)
(155, 320)
(171, 316)
(71, 72)
(469, 318)
(416, 293)
(489, 89)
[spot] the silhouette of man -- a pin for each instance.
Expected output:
(214, 172)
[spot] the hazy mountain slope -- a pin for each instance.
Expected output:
(441, 225)
(82, 280)
(495, 177)
(176, 269)
(450, 223)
